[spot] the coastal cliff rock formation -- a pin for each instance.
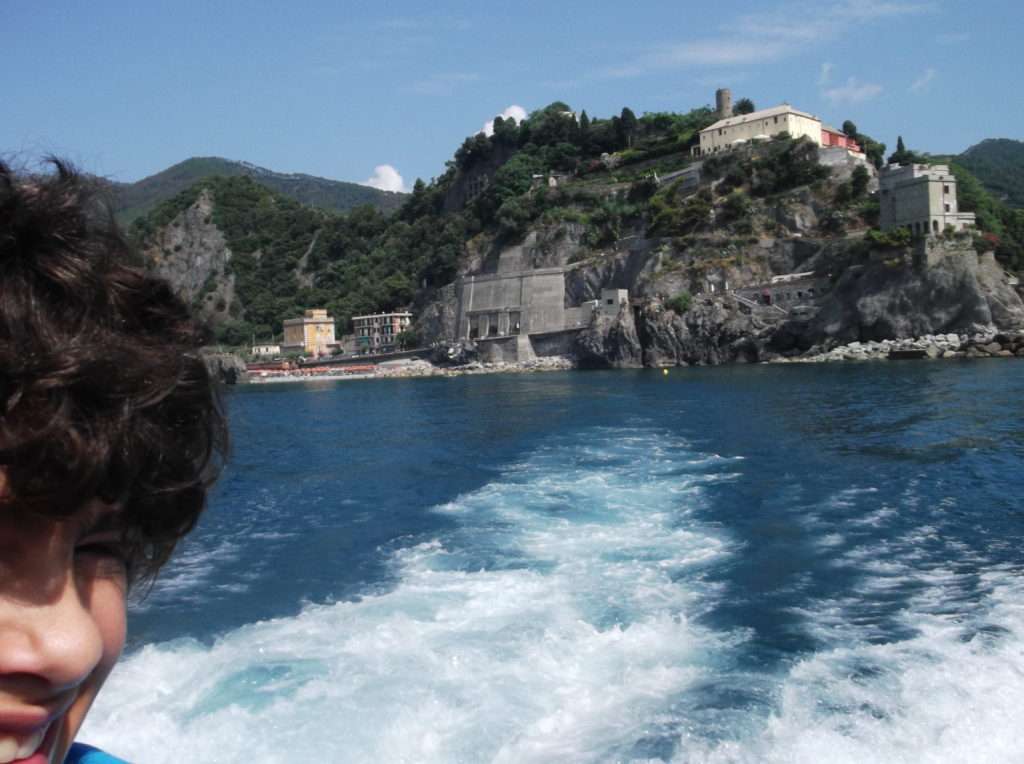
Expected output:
(227, 368)
(958, 292)
(193, 255)
(610, 341)
(713, 331)
(539, 241)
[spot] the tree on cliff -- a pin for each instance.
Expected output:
(902, 155)
(627, 126)
(584, 131)
(874, 150)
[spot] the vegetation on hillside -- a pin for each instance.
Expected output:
(874, 150)
(288, 257)
(133, 200)
(357, 263)
(1001, 227)
(998, 163)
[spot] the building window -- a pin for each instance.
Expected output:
(948, 207)
(935, 226)
(775, 120)
(945, 189)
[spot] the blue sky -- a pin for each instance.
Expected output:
(339, 89)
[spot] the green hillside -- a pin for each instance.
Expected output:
(136, 199)
(598, 180)
(366, 261)
(998, 163)
(359, 262)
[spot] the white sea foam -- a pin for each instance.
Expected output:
(565, 646)
(950, 690)
(560, 621)
(953, 693)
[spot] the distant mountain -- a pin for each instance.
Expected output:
(998, 163)
(134, 200)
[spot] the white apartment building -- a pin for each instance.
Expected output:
(921, 198)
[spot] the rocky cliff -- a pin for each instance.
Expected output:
(713, 331)
(895, 295)
(876, 294)
(193, 255)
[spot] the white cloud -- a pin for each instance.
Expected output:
(853, 92)
(825, 75)
(443, 84)
(386, 178)
(515, 111)
(710, 52)
(758, 38)
(922, 82)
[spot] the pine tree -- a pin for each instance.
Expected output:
(627, 123)
(583, 131)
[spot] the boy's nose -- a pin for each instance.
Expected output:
(51, 637)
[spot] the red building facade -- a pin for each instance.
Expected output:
(832, 137)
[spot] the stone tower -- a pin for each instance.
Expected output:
(723, 101)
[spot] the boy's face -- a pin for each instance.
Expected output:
(62, 625)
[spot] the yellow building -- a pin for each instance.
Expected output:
(312, 334)
(758, 126)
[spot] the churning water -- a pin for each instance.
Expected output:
(782, 564)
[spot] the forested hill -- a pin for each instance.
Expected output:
(999, 164)
(248, 257)
(133, 200)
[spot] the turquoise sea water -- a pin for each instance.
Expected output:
(770, 563)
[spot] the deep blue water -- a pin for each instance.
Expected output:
(767, 563)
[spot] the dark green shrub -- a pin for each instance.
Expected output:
(895, 239)
(736, 207)
(680, 303)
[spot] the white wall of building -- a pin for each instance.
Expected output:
(768, 122)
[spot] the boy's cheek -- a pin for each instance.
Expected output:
(106, 603)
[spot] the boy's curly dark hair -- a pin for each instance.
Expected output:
(103, 393)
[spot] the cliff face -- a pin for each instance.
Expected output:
(610, 342)
(875, 295)
(193, 255)
(958, 292)
(713, 331)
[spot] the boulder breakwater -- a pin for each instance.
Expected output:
(1001, 345)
